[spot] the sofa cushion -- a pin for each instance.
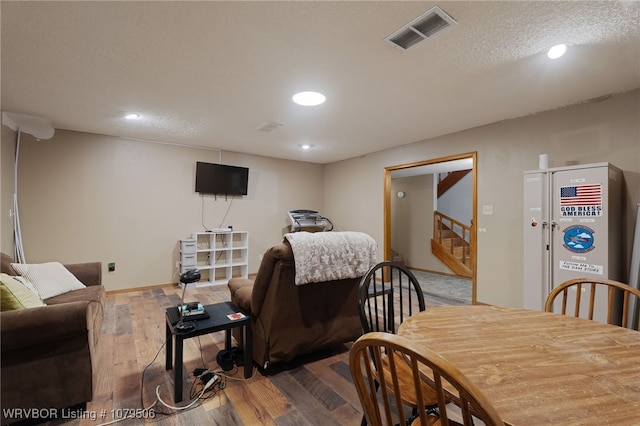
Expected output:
(90, 293)
(50, 279)
(241, 290)
(96, 296)
(28, 284)
(15, 296)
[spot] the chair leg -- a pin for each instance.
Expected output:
(364, 418)
(364, 421)
(414, 412)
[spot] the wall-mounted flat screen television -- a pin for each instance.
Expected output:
(221, 179)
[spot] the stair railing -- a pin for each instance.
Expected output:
(442, 222)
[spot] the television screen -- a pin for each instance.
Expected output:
(221, 179)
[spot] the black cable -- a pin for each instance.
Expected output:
(202, 214)
(142, 379)
(223, 218)
(226, 213)
(225, 244)
(157, 406)
(198, 372)
(204, 364)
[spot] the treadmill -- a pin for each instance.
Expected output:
(308, 219)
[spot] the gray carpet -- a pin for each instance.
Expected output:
(445, 289)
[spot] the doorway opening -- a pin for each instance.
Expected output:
(430, 229)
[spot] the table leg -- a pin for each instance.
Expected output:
(168, 348)
(248, 351)
(177, 373)
(227, 339)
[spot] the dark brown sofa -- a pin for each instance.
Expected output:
(289, 320)
(48, 353)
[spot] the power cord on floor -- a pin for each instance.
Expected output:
(153, 404)
(208, 387)
(185, 407)
(209, 379)
(198, 371)
(211, 382)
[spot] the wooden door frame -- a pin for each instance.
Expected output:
(387, 206)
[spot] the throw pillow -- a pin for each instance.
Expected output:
(14, 296)
(50, 279)
(28, 284)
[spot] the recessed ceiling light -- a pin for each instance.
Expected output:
(557, 51)
(305, 146)
(132, 116)
(309, 98)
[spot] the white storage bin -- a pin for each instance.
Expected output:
(188, 260)
(188, 246)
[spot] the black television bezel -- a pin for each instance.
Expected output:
(206, 170)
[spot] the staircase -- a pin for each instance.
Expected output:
(450, 244)
(447, 180)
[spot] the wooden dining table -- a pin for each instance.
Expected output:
(538, 368)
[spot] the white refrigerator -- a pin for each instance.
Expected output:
(572, 229)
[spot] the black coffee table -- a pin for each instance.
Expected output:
(217, 321)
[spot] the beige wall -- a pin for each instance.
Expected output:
(7, 155)
(606, 130)
(86, 197)
(412, 222)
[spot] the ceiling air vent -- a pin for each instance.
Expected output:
(434, 21)
(268, 126)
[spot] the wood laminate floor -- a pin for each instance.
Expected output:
(317, 391)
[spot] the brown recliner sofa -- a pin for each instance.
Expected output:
(289, 320)
(49, 353)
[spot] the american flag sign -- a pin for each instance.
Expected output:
(581, 195)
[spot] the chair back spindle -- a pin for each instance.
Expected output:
(419, 366)
(388, 294)
(620, 300)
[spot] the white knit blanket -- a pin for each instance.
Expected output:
(326, 256)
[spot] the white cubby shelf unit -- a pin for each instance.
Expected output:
(219, 256)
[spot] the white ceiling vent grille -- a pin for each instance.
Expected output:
(268, 126)
(431, 23)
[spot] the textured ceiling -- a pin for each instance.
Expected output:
(208, 73)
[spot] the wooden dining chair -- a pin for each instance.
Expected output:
(388, 294)
(620, 300)
(381, 405)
